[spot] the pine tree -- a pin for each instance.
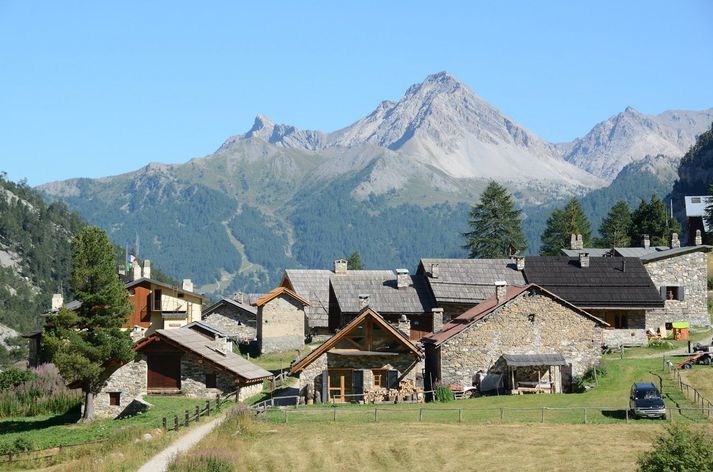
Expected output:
(561, 224)
(615, 229)
(652, 218)
(495, 225)
(354, 261)
(81, 342)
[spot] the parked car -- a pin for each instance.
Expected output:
(646, 401)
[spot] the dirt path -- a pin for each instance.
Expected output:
(159, 462)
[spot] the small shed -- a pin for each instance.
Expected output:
(536, 373)
(680, 330)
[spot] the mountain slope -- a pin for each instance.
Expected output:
(630, 136)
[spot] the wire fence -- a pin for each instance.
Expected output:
(691, 393)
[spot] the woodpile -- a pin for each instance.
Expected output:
(407, 392)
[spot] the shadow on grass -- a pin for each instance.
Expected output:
(615, 414)
(71, 417)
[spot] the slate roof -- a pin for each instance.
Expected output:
(480, 311)
(525, 360)
(312, 284)
(384, 296)
(229, 301)
(608, 282)
(592, 251)
(207, 349)
(677, 251)
(468, 280)
(200, 325)
(645, 254)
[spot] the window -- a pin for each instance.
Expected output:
(210, 381)
(157, 300)
(672, 292)
(379, 378)
(115, 398)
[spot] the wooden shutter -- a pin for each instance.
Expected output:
(681, 293)
(325, 386)
(392, 377)
(164, 371)
(357, 385)
(662, 291)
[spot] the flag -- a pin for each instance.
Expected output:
(130, 261)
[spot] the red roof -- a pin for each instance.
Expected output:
(480, 311)
(276, 292)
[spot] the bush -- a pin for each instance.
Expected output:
(13, 377)
(43, 392)
(443, 394)
(588, 379)
(679, 449)
(662, 344)
(20, 444)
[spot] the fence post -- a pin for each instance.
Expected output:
(163, 423)
(420, 414)
(585, 415)
(375, 414)
(187, 420)
(502, 414)
(175, 423)
(460, 415)
(626, 414)
(217, 401)
(207, 407)
(334, 413)
(285, 416)
(542, 415)
(198, 412)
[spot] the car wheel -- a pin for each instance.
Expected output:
(707, 360)
(687, 366)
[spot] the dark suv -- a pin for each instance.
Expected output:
(646, 401)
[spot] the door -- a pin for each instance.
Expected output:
(340, 383)
(566, 373)
(164, 372)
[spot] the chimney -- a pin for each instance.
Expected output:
(404, 325)
(520, 263)
(57, 302)
(437, 319)
(402, 278)
(435, 272)
(363, 300)
(340, 266)
(573, 241)
(583, 260)
(675, 241)
(187, 285)
(136, 270)
(580, 242)
(647, 241)
(122, 270)
(147, 269)
(501, 288)
(699, 238)
(239, 297)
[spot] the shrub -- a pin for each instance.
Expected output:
(443, 394)
(13, 377)
(21, 444)
(588, 379)
(44, 392)
(201, 463)
(661, 344)
(679, 448)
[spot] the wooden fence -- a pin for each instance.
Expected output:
(184, 418)
(691, 393)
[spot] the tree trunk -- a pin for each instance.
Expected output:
(88, 406)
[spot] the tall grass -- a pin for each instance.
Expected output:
(42, 394)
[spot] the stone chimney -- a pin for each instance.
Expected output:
(520, 263)
(147, 269)
(576, 241)
(437, 319)
(501, 288)
(223, 345)
(404, 325)
(435, 272)
(402, 278)
(122, 270)
(647, 241)
(187, 285)
(699, 238)
(57, 302)
(363, 300)
(675, 241)
(239, 297)
(136, 270)
(340, 266)
(583, 260)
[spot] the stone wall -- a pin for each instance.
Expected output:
(691, 272)
(280, 325)
(555, 328)
(233, 322)
(614, 338)
(129, 381)
(193, 377)
(247, 391)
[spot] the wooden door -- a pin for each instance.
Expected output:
(340, 383)
(566, 373)
(164, 372)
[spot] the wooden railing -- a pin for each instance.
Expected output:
(184, 419)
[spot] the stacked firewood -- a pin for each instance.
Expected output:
(407, 391)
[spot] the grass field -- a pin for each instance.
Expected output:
(701, 378)
(423, 447)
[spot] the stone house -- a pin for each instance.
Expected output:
(281, 322)
(367, 355)
(525, 336)
(617, 290)
(193, 361)
(392, 295)
(459, 284)
(313, 286)
(234, 317)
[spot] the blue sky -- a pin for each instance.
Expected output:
(97, 88)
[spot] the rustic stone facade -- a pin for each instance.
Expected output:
(689, 271)
(128, 382)
(281, 325)
(528, 324)
(233, 321)
(627, 327)
(193, 379)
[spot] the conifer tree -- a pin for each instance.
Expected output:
(653, 219)
(561, 224)
(615, 229)
(354, 261)
(81, 342)
(495, 225)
